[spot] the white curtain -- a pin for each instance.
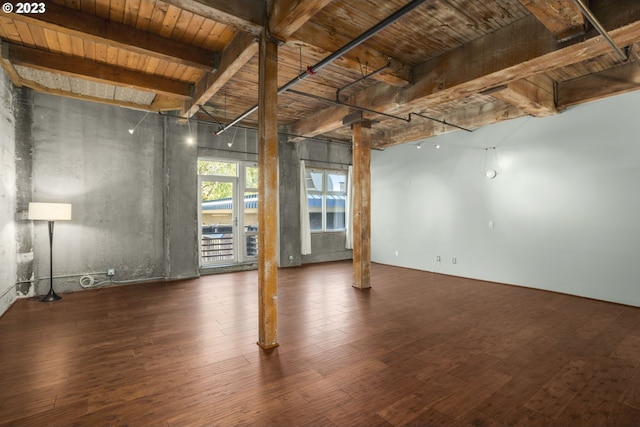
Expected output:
(305, 227)
(348, 215)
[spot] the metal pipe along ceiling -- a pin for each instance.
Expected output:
(594, 21)
(335, 55)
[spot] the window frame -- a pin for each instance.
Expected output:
(324, 192)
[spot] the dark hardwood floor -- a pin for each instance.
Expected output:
(416, 349)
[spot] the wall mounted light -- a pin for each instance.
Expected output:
(133, 129)
(190, 139)
(50, 212)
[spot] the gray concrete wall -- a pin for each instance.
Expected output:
(315, 153)
(289, 184)
(8, 244)
(133, 195)
(24, 190)
(180, 200)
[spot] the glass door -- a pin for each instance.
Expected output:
(249, 214)
(218, 221)
(228, 215)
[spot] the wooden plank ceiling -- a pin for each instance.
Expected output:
(467, 63)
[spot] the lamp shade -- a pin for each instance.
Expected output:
(50, 211)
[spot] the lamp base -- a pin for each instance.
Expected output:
(51, 296)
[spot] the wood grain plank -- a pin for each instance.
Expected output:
(184, 353)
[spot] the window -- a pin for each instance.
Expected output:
(326, 195)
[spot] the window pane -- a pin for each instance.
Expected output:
(251, 177)
(315, 221)
(314, 180)
(315, 211)
(251, 223)
(211, 167)
(337, 181)
(335, 212)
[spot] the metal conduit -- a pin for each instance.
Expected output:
(332, 57)
(594, 21)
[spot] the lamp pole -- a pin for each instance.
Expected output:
(51, 296)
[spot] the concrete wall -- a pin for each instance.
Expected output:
(180, 201)
(132, 194)
(8, 189)
(320, 154)
(564, 205)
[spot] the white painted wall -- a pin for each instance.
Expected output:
(8, 245)
(565, 203)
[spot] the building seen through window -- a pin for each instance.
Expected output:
(326, 197)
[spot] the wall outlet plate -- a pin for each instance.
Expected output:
(111, 272)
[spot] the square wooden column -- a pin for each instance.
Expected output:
(361, 205)
(268, 194)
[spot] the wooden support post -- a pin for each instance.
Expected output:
(268, 194)
(361, 205)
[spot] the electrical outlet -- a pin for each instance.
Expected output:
(111, 272)
(454, 261)
(438, 258)
(290, 257)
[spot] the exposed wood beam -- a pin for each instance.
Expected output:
(535, 95)
(517, 51)
(361, 204)
(320, 39)
(268, 195)
(8, 66)
(245, 15)
(242, 48)
(76, 67)
(288, 15)
(90, 27)
(166, 103)
(562, 17)
(316, 124)
(620, 79)
(470, 118)
(59, 92)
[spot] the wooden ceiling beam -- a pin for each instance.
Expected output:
(469, 118)
(74, 22)
(534, 95)
(93, 71)
(287, 16)
(620, 79)
(8, 66)
(110, 101)
(318, 38)
(247, 16)
(562, 17)
(520, 50)
(242, 48)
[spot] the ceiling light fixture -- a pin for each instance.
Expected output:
(133, 129)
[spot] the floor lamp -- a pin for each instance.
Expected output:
(50, 212)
